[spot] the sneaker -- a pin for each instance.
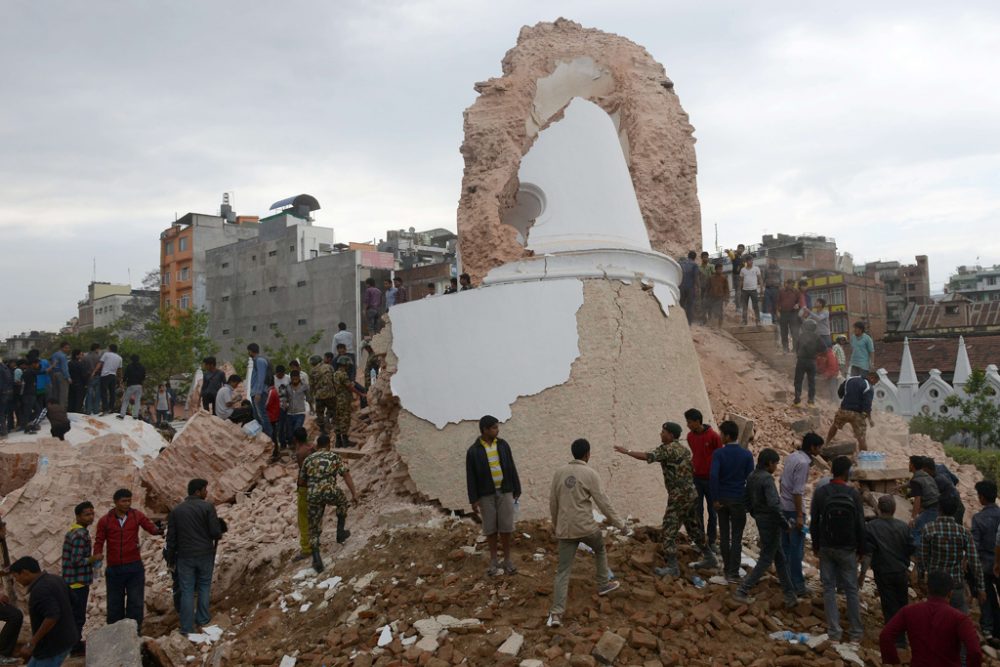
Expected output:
(609, 587)
(120, 416)
(811, 404)
(4, 660)
(493, 569)
(796, 404)
(554, 621)
(668, 571)
(741, 597)
(733, 579)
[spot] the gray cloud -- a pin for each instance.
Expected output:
(875, 124)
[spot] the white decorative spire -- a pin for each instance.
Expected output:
(963, 369)
(907, 374)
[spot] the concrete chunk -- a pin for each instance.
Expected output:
(115, 645)
(608, 647)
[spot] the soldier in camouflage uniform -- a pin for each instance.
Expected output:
(344, 391)
(318, 475)
(323, 392)
(675, 460)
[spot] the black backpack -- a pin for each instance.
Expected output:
(839, 520)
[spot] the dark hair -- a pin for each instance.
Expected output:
(766, 457)
(466, 276)
(208, 360)
(25, 564)
(75, 353)
(692, 254)
(134, 358)
(693, 415)
(740, 246)
(917, 461)
(82, 507)
(810, 440)
(328, 355)
(113, 347)
(295, 375)
(487, 421)
(121, 493)
(730, 430)
(253, 347)
(341, 345)
(948, 505)
(987, 489)
(196, 485)
(323, 441)
(453, 281)
(63, 343)
(279, 369)
(580, 448)
(300, 434)
(929, 464)
(841, 467)
(887, 504)
(294, 362)
(859, 325)
(234, 378)
(341, 325)
(397, 279)
(704, 253)
(821, 300)
(939, 583)
(95, 346)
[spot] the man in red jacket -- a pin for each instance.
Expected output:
(936, 630)
(126, 575)
(703, 442)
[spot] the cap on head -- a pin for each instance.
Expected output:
(673, 428)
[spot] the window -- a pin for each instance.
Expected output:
(291, 248)
(272, 253)
(185, 273)
(182, 244)
(185, 302)
(225, 298)
(166, 277)
(273, 325)
(253, 293)
(253, 258)
(272, 288)
(951, 310)
(314, 253)
(168, 248)
(225, 265)
(225, 332)
(301, 283)
(302, 323)
(253, 328)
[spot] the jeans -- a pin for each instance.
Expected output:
(295, 421)
(688, 303)
(162, 416)
(771, 301)
(259, 402)
(132, 392)
(12, 619)
(990, 618)
(732, 521)
(27, 408)
(371, 319)
(770, 531)
(126, 585)
(701, 485)
(284, 435)
(892, 592)
(753, 297)
(48, 662)
(92, 401)
(807, 368)
(790, 325)
(567, 552)
(925, 517)
(793, 547)
(78, 601)
(839, 568)
(60, 389)
(194, 575)
(109, 383)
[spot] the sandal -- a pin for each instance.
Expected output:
(508, 567)
(493, 570)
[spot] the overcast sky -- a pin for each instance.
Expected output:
(876, 123)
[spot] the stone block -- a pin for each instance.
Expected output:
(115, 645)
(512, 646)
(608, 647)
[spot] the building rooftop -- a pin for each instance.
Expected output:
(932, 316)
(939, 353)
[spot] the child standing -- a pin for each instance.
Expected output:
(162, 405)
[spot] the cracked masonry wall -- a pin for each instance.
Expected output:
(636, 369)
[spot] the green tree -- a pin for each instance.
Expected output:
(279, 351)
(173, 344)
(976, 409)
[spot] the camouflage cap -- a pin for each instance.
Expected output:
(315, 360)
(343, 359)
(673, 427)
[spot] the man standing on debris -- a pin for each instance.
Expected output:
(889, 546)
(494, 487)
(53, 632)
(343, 337)
(59, 371)
(736, 258)
(107, 369)
(924, 495)
(857, 393)
(946, 545)
(751, 283)
(319, 475)
(806, 348)
(78, 566)
(761, 500)
(793, 507)
(10, 616)
(682, 497)
(212, 380)
(92, 402)
(193, 530)
(838, 538)
(576, 489)
(132, 377)
(862, 351)
(731, 466)
(690, 285)
(985, 525)
(703, 442)
(323, 393)
(344, 391)
(258, 387)
(125, 576)
(937, 633)
(945, 481)
(772, 288)
(718, 291)
(303, 448)
(788, 315)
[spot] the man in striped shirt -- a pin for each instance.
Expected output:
(78, 566)
(494, 487)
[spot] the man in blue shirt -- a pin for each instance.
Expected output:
(59, 373)
(862, 350)
(258, 387)
(731, 465)
(985, 524)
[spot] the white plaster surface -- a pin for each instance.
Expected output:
(475, 352)
(580, 77)
(142, 442)
(589, 201)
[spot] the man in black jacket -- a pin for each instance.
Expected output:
(856, 407)
(193, 529)
(494, 488)
(132, 377)
(212, 380)
(889, 545)
(838, 538)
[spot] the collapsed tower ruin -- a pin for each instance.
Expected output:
(579, 185)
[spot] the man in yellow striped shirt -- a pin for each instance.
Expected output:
(494, 488)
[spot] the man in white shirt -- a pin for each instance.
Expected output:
(228, 405)
(750, 287)
(107, 370)
(346, 338)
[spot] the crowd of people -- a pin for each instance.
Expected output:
(714, 474)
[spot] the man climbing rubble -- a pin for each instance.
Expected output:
(344, 391)
(856, 407)
(323, 393)
(319, 476)
(675, 461)
(303, 448)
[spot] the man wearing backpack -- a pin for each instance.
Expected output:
(838, 538)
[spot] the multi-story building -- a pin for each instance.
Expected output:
(800, 255)
(851, 298)
(976, 283)
(904, 284)
(18, 346)
(96, 290)
(289, 279)
(182, 252)
(954, 315)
